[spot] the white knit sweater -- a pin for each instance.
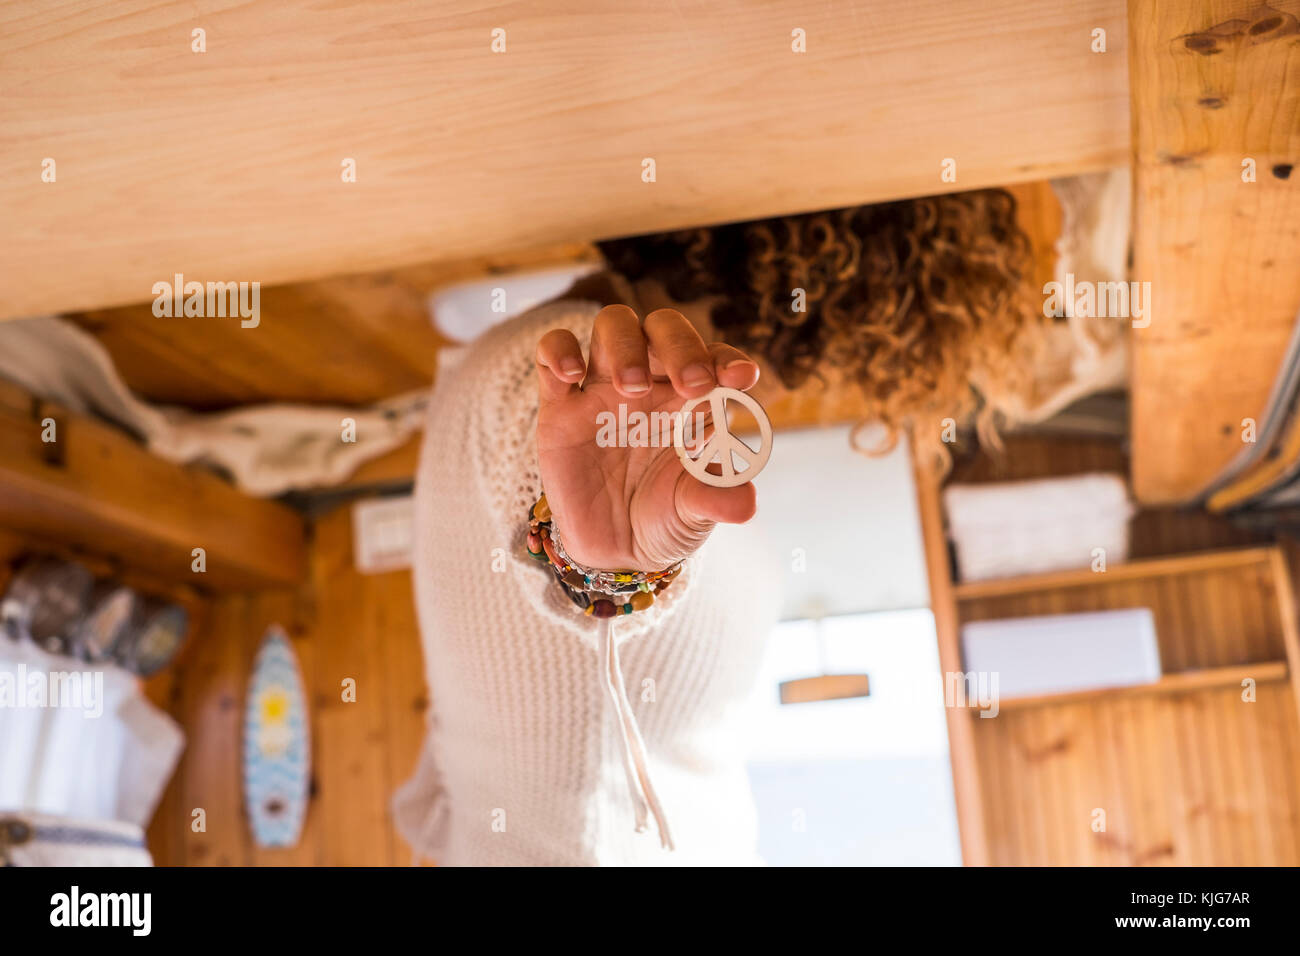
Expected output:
(523, 762)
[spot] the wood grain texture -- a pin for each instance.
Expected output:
(1185, 779)
(226, 165)
(1213, 84)
(97, 490)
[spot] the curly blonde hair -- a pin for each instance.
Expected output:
(924, 304)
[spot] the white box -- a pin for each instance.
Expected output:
(1059, 653)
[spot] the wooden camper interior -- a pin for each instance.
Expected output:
(227, 164)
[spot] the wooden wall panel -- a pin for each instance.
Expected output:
(343, 624)
(226, 165)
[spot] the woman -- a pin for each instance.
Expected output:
(557, 732)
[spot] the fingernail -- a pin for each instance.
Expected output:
(634, 379)
(570, 366)
(696, 375)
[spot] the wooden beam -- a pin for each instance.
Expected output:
(1213, 88)
(227, 165)
(96, 489)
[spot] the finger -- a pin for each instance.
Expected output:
(733, 367)
(681, 351)
(559, 364)
(618, 352)
(699, 504)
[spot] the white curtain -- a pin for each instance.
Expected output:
(266, 449)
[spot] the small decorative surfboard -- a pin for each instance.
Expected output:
(277, 744)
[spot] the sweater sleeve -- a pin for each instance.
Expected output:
(480, 444)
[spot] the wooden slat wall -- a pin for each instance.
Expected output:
(1184, 779)
(343, 625)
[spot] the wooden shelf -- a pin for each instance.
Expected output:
(1083, 577)
(1188, 774)
(1263, 672)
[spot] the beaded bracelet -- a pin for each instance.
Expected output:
(597, 593)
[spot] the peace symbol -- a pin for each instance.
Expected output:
(722, 445)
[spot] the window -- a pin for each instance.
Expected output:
(861, 781)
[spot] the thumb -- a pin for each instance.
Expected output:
(700, 505)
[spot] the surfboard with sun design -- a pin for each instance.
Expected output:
(277, 744)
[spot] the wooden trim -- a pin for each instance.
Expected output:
(1147, 568)
(1286, 606)
(98, 490)
(961, 740)
(1180, 683)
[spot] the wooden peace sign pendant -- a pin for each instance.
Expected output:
(722, 445)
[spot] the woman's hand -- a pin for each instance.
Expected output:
(631, 508)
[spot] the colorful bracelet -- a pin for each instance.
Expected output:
(598, 593)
